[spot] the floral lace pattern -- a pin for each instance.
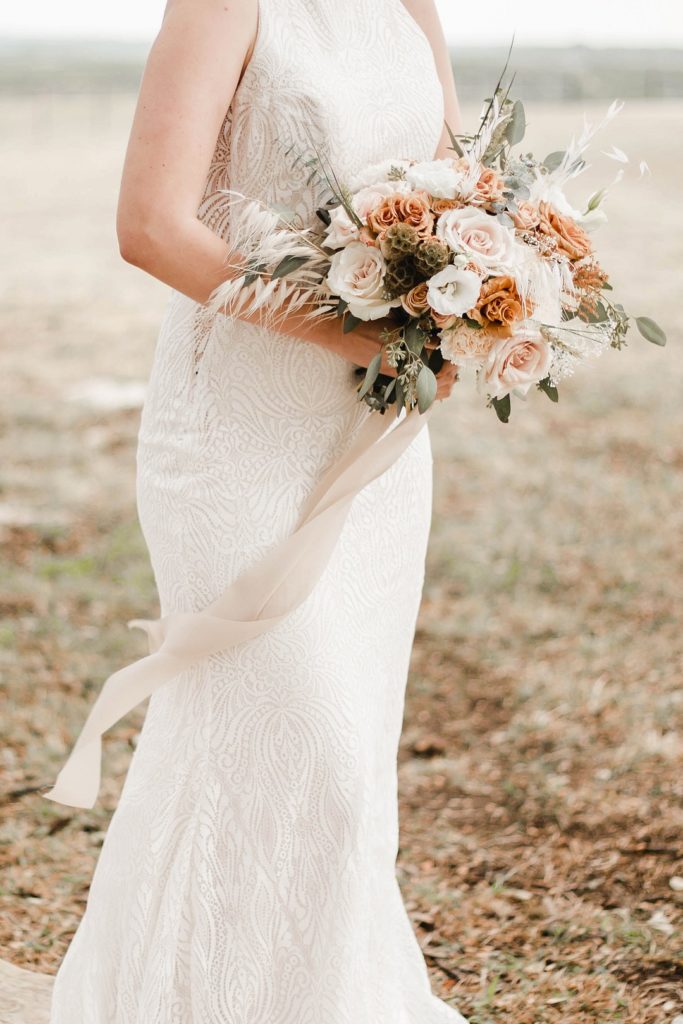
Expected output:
(248, 872)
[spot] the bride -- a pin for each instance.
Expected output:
(248, 873)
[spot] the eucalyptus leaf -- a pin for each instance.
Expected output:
(400, 397)
(502, 407)
(516, 126)
(255, 271)
(342, 306)
(650, 330)
(426, 388)
(414, 338)
(371, 374)
(288, 265)
(549, 389)
(351, 322)
(516, 188)
(553, 160)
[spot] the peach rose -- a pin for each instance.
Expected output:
(365, 201)
(440, 206)
(565, 232)
(515, 362)
(527, 217)
(443, 321)
(384, 214)
(489, 188)
(500, 305)
(416, 302)
(412, 209)
(368, 237)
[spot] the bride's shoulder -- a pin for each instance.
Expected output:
(233, 16)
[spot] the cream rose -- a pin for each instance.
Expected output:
(357, 275)
(437, 177)
(515, 363)
(341, 229)
(482, 238)
(453, 291)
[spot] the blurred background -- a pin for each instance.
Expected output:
(540, 769)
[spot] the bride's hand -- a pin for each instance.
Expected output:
(445, 379)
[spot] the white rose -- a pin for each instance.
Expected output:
(375, 174)
(365, 201)
(515, 363)
(453, 291)
(341, 229)
(438, 177)
(481, 237)
(357, 275)
(544, 190)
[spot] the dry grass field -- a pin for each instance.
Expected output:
(541, 782)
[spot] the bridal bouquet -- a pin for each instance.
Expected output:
(479, 259)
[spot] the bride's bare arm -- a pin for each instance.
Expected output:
(193, 69)
(426, 15)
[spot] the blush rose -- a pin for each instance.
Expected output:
(516, 362)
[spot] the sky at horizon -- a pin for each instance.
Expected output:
(583, 21)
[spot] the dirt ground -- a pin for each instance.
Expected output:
(540, 773)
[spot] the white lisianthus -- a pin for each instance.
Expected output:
(357, 274)
(453, 291)
(341, 229)
(544, 190)
(378, 173)
(437, 177)
(480, 237)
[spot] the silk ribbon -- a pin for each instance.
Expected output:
(254, 603)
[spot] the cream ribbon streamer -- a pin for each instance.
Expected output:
(254, 603)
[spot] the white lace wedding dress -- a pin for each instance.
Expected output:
(248, 872)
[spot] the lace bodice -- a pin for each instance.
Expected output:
(336, 76)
